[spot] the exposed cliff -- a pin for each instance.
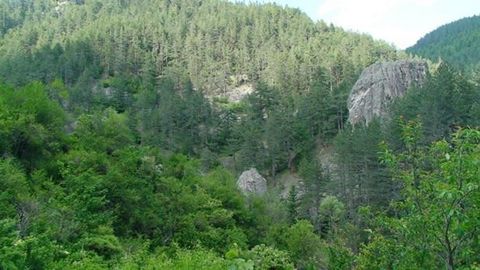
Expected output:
(381, 83)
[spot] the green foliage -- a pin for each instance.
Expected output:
(278, 130)
(194, 260)
(340, 257)
(103, 188)
(206, 42)
(11, 256)
(265, 257)
(292, 204)
(304, 245)
(363, 179)
(31, 125)
(26, 252)
(114, 163)
(14, 188)
(103, 242)
(103, 132)
(447, 101)
(455, 43)
(176, 120)
(197, 258)
(330, 213)
(438, 214)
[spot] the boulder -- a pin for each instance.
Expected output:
(381, 83)
(251, 182)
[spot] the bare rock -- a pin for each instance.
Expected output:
(239, 86)
(238, 93)
(252, 182)
(381, 83)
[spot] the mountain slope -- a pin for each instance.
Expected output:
(457, 43)
(211, 43)
(114, 159)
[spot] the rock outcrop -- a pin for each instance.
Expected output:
(238, 93)
(251, 182)
(238, 87)
(381, 83)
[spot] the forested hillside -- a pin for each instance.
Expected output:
(457, 43)
(209, 42)
(125, 124)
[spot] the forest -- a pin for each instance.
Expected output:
(121, 145)
(456, 43)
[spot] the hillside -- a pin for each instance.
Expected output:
(458, 43)
(213, 43)
(211, 135)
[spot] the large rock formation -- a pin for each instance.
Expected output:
(379, 84)
(252, 182)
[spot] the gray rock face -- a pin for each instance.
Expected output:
(238, 93)
(379, 84)
(252, 182)
(239, 86)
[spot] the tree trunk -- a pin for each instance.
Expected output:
(450, 261)
(291, 164)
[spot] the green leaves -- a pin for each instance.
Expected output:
(265, 257)
(106, 131)
(438, 208)
(14, 188)
(31, 125)
(304, 245)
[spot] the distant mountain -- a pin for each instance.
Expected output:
(457, 43)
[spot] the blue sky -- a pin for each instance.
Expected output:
(399, 22)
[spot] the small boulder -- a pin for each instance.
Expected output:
(252, 182)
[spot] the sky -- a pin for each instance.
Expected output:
(398, 22)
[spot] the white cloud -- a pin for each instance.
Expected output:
(383, 19)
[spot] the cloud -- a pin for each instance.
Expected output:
(384, 19)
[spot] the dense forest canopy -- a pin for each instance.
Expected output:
(209, 42)
(456, 42)
(120, 144)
